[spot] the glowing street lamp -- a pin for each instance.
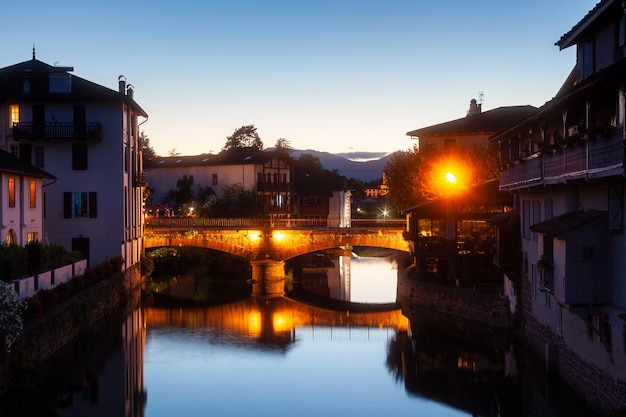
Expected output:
(450, 177)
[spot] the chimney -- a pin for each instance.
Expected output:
(130, 91)
(121, 80)
(475, 108)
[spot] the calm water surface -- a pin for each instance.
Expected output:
(293, 356)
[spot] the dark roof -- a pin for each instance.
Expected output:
(13, 165)
(12, 82)
(487, 122)
(567, 222)
(244, 156)
(485, 193)
(571, 37)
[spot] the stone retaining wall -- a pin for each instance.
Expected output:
(602, 392)
(48, 334)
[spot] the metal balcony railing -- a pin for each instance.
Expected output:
(593, 158)
(57, 130)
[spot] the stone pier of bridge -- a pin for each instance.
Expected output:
(268, 278)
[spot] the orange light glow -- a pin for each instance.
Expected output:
(254, 323)
(254, 235)
(279, 236)
(282, 322)
(450, 175)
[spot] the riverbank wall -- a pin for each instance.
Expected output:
(48, 334)
(602, 391)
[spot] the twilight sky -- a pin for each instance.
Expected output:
(329, 75)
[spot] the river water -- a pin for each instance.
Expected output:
(336, 345)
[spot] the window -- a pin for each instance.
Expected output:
(214, 179)
(587, 252)
(11, 192)
(15, 150)
(39, 157)
(15, 113)
(587, 60)
(536, 216)
(79, 156)
(33, 194)
(526, 219)
(79, 204)
(31, 237)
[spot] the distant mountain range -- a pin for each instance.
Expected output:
(364, 166)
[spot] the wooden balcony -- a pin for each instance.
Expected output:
(274, 187)
(57, 130)
(580, 159)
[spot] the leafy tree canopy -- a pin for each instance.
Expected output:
(186, 196)
(244, 137)
(419, 174)
(235, 202)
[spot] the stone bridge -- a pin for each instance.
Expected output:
(268, 246)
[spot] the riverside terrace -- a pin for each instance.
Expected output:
(268, 244)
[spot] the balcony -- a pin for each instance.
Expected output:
(273, 186)
(579, 159)
(57, 130)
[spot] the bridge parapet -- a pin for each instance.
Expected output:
(188, 223)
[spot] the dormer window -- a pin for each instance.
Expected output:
(587, 59)
(60, 82)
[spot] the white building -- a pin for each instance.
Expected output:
(86, 135)
(21, 200)
(267, 173)
(566, 167)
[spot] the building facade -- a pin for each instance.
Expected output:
(21, 200)
(267, 173)
(86, 135)
(565, 167)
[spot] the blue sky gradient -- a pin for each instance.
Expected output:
(335, 76)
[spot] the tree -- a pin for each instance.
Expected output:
(173, 152)
(418, 175)
(186, 196)
(11, 307)
(147, 150)
(283, 147)
(233, 203)
(244, 137)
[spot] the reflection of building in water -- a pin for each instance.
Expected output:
(267, 323)
(95, 390)
(329, 281)
(354, 279)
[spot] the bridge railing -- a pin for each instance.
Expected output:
(245, 223)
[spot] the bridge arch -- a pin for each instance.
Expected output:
(276, 244)
(268, 249)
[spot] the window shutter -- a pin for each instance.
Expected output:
(93, 204)
(67, 205)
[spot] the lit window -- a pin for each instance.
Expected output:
(15, 113)
(33, 194)
(11, 192)
(31, 237)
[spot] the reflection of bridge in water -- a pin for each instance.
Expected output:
(274, 321)
(268, 245)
